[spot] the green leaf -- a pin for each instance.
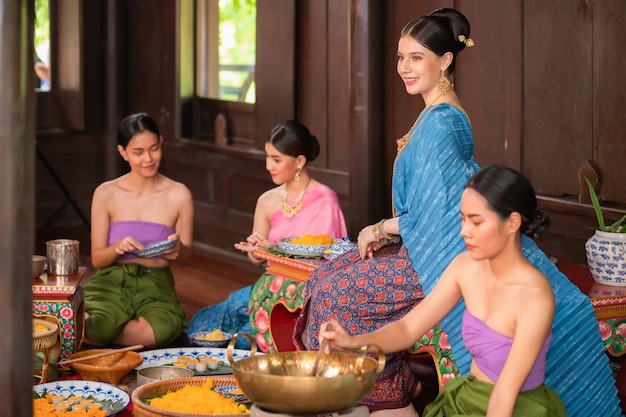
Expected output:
(596, 206)
(618, 226)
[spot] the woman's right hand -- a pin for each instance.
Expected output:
(338, 338)
(127, 245)
(253, 242)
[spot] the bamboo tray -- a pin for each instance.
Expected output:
(141, 409)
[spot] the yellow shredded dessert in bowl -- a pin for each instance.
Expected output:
(307, 239)
(214, 335)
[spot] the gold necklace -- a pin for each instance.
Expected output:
(290, 211)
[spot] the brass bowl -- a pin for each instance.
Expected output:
(282, 382)
(39, 265)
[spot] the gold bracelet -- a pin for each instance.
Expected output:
(379, 231)
(254, 259)
(386, 235)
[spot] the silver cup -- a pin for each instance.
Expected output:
(63, 256)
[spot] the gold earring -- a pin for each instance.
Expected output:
(444, 84)
(297, 176)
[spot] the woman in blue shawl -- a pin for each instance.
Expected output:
(380, 284)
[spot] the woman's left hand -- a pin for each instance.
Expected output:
(172, 254)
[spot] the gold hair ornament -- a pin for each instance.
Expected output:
(467, 41)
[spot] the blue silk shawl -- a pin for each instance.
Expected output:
(429, 176)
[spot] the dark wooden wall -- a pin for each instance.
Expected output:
(541, 87)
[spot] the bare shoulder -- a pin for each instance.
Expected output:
(462, 261)
(176, 189)
(271, 196)
(538, 283)
(181, 189)
(461, 266)
(107, 189)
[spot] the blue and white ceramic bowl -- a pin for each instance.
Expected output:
(303, 250)
(196, 339)
(343, 246)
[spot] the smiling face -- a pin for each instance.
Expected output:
(484, 232)
(143, 153)
(420, 68)
(281, 167)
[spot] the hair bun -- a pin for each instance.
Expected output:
(538, 225)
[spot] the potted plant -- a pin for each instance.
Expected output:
(606, 249)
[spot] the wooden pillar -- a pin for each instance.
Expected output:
(17, 156)
(366, 122)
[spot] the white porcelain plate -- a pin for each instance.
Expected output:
(112, 398)
(303, 250)
(156, 248)
(159, 357)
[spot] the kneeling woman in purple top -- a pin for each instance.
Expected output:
(131, 299)
(510, 307)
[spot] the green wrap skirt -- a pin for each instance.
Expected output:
(124, 292)
(469, 397)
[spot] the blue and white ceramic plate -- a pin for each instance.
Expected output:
(168, 356)
(303, 250)
(112, 398)
(156, 248)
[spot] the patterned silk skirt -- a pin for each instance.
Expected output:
(364, 295)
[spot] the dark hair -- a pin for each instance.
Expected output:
(439, 32)
(508, 191)
(134, 124)
(294, 139)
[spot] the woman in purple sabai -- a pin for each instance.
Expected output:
(131, 298)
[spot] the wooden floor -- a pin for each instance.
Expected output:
(209, 280)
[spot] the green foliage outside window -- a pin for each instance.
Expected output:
(237, 48)
(42, 24)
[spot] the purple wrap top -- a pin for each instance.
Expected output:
(144, 232)
(490, 351)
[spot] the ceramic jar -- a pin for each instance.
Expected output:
(606, 257)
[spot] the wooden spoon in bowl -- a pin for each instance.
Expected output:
(99, 355)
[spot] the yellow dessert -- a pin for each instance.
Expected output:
(214, 335)
(38, 328)
(323, 239)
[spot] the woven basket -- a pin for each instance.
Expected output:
(44, 340)
(109, 369)
(141, 409)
